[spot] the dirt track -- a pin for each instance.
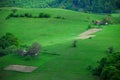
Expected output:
(20, 68)
(87, 34)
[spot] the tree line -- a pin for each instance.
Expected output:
(97, 6)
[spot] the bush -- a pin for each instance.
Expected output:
(2, 52)
(110, 73)
(89, 26)
(21, 15)
(46, 16)
(8, 40)
(8, 50)
(28, 15)
(107, 19)
(74, 44)
(43, 15)
(109, 67)
(35, 17)
(59, 17)
(9, 16)
(34, 49)
(15, 15)
(110, 50)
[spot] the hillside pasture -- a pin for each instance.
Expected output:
(56, 37)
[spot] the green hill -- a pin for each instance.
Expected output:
(97, 6)
(56, 36)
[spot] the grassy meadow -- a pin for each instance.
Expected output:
(56, 37)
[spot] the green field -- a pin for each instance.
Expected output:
(56, 36)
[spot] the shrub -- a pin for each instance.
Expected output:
(106, 20)
(28, 15)
(35, 17)
(8, 40)
(109, 67)
(13, 15)
(34, 49)
(89, 26)
(43, 15)
(46, 16)
(8, 50)
(21, 15)
(21, 52)
(2, 52)
(110, 73)
(110, 50)
(74, 44)
(8, 17)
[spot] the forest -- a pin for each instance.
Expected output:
(97, 6)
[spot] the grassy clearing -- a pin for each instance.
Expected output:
(56, 36)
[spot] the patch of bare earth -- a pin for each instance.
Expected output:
(88, 34)
(20, 68)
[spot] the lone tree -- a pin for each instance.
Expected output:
(34, 49)
(75, 43)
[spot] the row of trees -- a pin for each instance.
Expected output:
(28, 15)
(14, 14)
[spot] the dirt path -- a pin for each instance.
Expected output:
(87, 34)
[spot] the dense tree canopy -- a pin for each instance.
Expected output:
(109, 67)
(105, 6)
(25, 3)
(98, 6)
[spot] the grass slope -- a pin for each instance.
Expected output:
(56, 36)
